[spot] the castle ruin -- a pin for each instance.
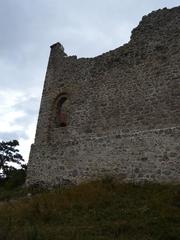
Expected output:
(117, 114)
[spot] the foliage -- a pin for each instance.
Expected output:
(11, 186)
(97, 210)
(16, 177)
(9, 155)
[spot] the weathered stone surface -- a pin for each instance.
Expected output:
(122, 109)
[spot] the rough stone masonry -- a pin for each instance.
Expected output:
(117, 114)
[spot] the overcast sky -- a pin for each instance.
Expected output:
(86, 28)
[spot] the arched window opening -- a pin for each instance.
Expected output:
(61, 112)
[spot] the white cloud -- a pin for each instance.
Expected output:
(8, 115)
(25, 144)
(11, 125)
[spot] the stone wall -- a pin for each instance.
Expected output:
(139, 156)
(122, 108)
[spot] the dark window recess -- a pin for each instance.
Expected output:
(61, 114)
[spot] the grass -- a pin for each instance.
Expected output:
(99, 210)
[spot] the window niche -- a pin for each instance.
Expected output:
(61, 113)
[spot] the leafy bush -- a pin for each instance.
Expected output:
(15, 178)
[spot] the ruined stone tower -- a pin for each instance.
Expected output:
(117, 114)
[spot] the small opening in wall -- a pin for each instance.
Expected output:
(61, 112)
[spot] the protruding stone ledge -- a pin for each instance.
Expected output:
(57, 45)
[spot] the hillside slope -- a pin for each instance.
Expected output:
(97, 210)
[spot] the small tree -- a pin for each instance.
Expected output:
(8, 155)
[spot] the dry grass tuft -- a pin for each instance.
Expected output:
(96, 210)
